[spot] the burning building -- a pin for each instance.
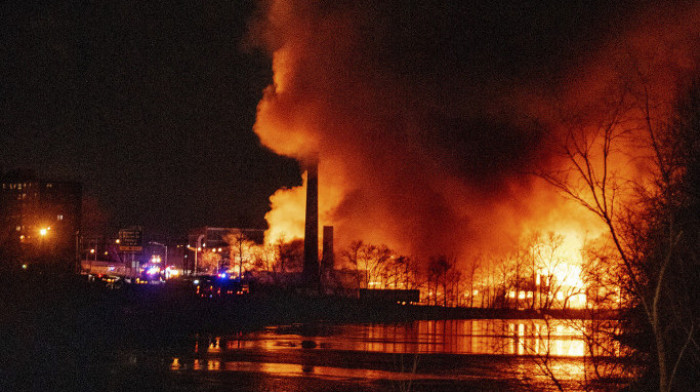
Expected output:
(440, 113)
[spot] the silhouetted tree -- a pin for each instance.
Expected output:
(442, 270)
(653, 225)
(291, 256)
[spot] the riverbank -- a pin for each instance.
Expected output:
(73, 303)
(64, 333)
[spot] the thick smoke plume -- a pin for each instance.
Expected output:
(428, 116)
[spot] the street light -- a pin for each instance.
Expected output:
(93, 251)
(166, 250)
(196, 252)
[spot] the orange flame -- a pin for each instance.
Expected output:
(380, 178)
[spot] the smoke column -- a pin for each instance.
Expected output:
(428, 115)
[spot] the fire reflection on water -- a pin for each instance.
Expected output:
(521, 346)
(294, 369)
(496, 337)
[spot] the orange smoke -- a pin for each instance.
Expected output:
(423, 128)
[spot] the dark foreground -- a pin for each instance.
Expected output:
(63, 334)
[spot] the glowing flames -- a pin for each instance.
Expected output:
(286, 215)
(415, 156)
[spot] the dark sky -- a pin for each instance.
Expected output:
(149, 104)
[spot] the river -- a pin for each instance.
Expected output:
(507, 355)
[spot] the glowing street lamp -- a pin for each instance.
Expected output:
(196, 251)
(93, 251)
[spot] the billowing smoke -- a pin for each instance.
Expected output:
(428, 116)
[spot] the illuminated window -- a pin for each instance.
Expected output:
(18, 228)
(59, 217)
(49, 185)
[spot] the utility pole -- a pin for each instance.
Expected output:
(196, 251)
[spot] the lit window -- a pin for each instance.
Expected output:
(18, 228)
(59, 217)
(49, 185)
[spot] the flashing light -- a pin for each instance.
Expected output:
(111, 268)
(171, 272)
(222, 275)
(153, 270)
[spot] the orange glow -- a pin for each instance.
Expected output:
(286, 215)
(383, 181)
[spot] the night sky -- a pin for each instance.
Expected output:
(151, 105)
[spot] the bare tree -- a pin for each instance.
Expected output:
(641, 216)
(443, 270)
(209, 260)
(240, 244)
(291, 256)
(352, 256)
(371, 261)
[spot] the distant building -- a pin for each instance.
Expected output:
(39, 220)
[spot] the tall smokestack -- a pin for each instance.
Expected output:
(311, 267)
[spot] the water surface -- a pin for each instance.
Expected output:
(503, 354)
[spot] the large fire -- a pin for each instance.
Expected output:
(286, 216)
(427, 151)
